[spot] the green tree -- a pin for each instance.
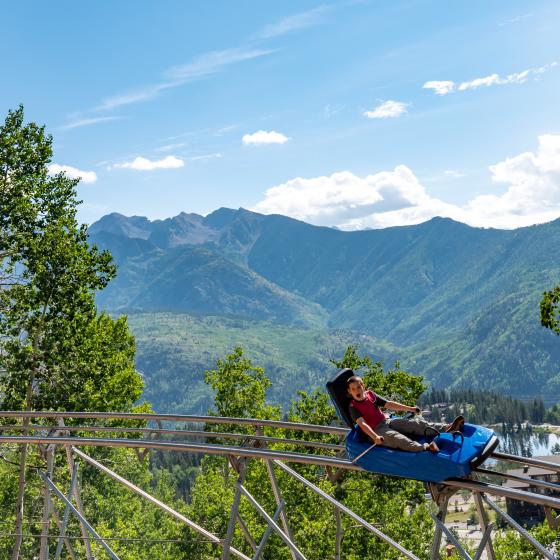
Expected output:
(394, 384)
(550, 310)
(56, 351)
(239, 388)
(397, 506)
(511, 546)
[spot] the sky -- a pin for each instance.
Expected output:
(352, 113)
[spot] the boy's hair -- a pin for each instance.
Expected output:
(354, 379)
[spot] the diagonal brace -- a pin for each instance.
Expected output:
(95, 535)
(271, 522)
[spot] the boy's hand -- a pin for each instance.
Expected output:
(378, 440)
(417, 410)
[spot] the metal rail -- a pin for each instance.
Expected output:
(526, 479)
(195, 433)
(287, 456)
(251, 447)
(555, 467)
(482, 487)
(202, 448)
(336, 430)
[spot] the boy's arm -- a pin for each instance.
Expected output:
(369, 431)
(398, 407)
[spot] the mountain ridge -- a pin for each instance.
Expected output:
(424, 288)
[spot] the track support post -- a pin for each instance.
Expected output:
(242, 469)
(483, 519)
(440, 522)
(66, 516)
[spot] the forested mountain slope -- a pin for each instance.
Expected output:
(459, 303)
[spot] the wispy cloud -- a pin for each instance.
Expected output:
(293, 22)
(73, 172)
(210, 63)
(262, 137)
(169, 147)
(387, 110)
(88, 122)
(330, 110)
(207, 157)
(443, 87)
(145, 164)
(515, 19)
(200, 67)
(453, 174)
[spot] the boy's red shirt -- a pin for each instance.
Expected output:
(369, 409)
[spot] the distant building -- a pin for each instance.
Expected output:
(523, 512)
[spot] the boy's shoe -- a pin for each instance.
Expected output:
(456, 426)
(432, 447)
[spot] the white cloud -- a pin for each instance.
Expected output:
(443, 87)
(387, 110)
(293, 23)
(144, 164)
(78, 123)
(492, 80)
(453, 174)
(73, 172)
(342, 197)
(264, 137)
(391, 198)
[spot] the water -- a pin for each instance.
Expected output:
(528, 443)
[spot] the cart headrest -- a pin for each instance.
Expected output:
(339, 395)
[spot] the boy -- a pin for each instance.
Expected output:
(365, 411)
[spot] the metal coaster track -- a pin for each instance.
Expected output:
(252, 447)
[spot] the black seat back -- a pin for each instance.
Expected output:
(339, 395)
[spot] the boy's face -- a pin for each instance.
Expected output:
(356, 390)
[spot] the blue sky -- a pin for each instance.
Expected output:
(349, 113)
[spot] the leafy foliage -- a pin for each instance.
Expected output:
(57, 352)
(395, 384)
(550, 310)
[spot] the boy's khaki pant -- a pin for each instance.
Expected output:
(396, 430)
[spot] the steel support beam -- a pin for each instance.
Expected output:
(272, 523)
(442, 513)
(210, 536)
(348, 511)
(483, 541)
(66, 516)
(279, 500)
(524, 533)
(77, 495)
(450, 536)
(45, 523)
(234, 511)
(95, 535)
(483, 520)
(267, 532)
(246, 533)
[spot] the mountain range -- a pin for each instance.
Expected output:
(454, 303)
